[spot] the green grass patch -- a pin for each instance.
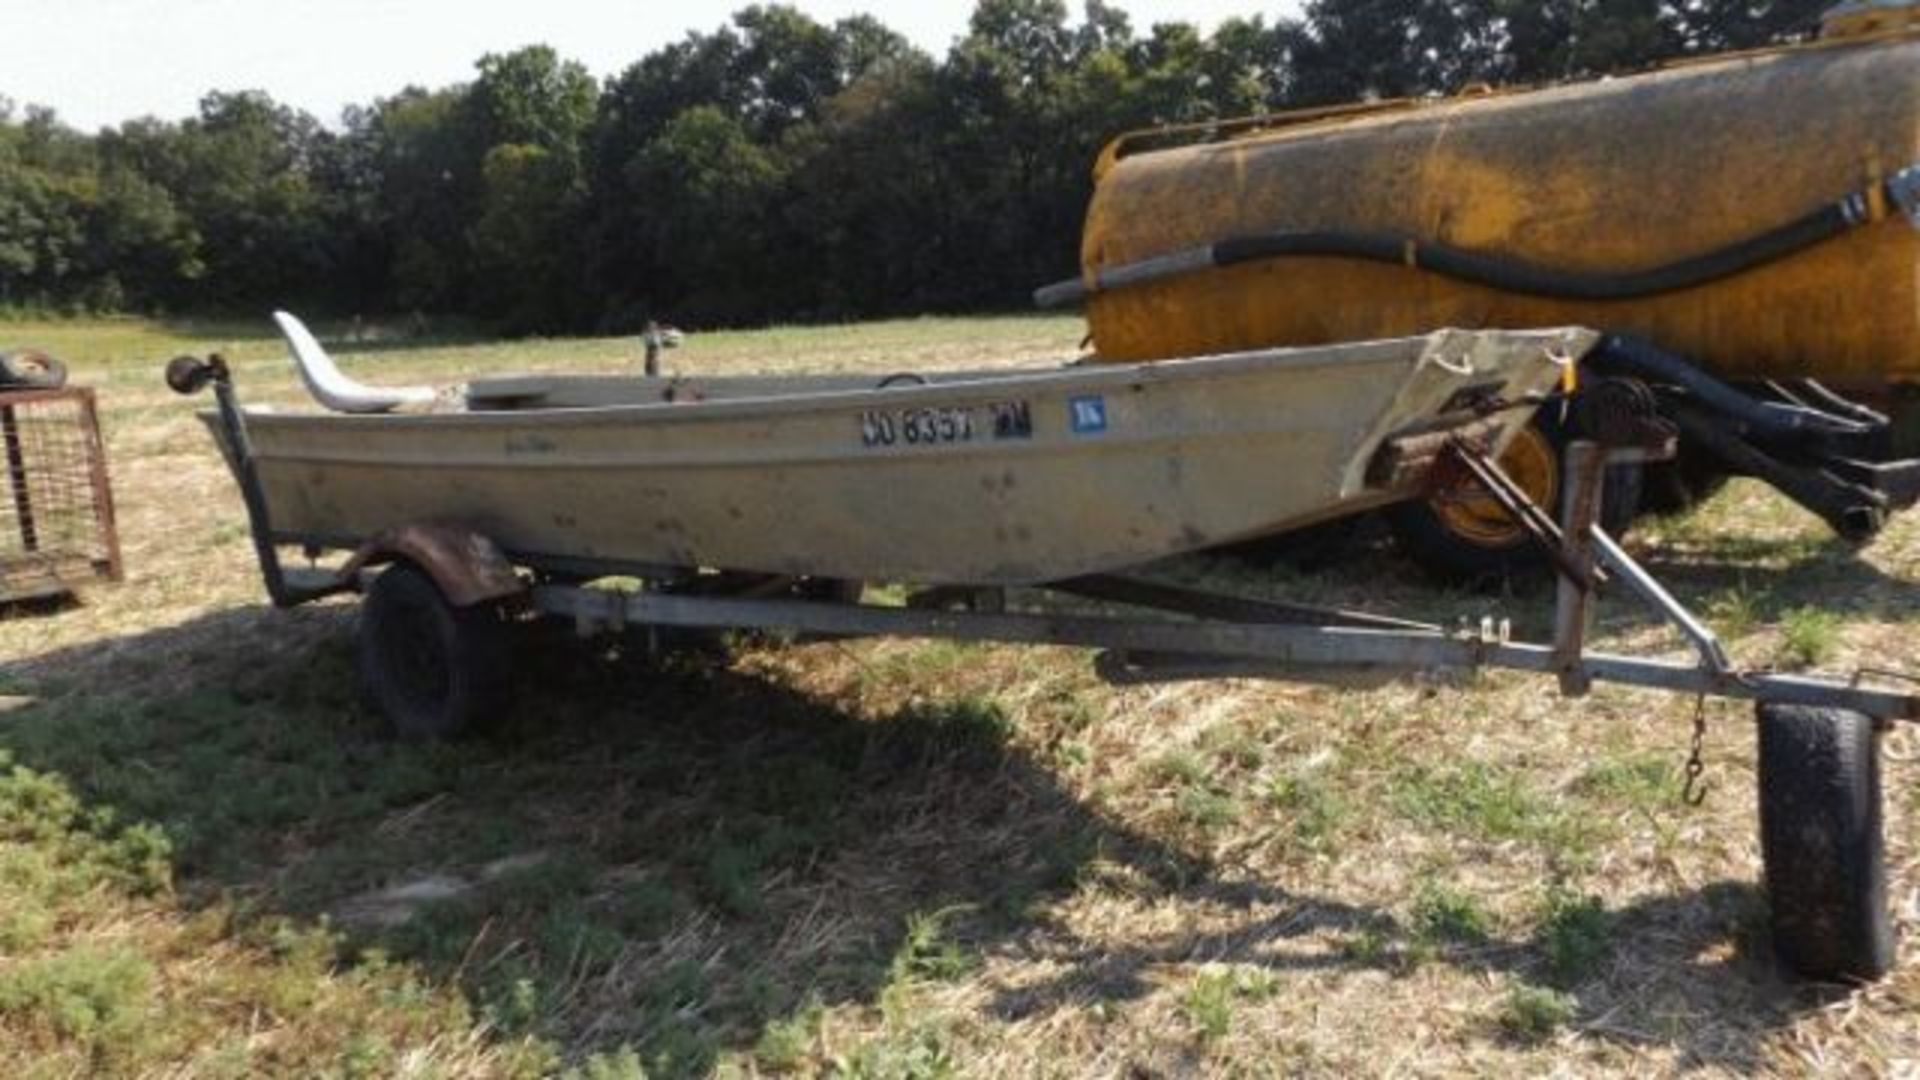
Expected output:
(918, 1052)
(1208, 810)
(1576, 936)
(791, 1042)
(1445, 916)
(927, 952)
(98, 997)
(1532, 1014)
(1809, 636)
(1213, 997)
(1179, 768)
(1642, 781)
(1312, 807)
(1367, 947)
(1209, 1003)
(1202, 802)
(928, 660)
(1233, 745)
(621, 1064)
(1734, 612)
(1487, 802)
(91, 940)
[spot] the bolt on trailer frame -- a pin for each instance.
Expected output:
(1820, 799)
(57, 526)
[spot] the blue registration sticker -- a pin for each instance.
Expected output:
(1089, 415)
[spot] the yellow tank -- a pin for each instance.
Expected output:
(1601, 178)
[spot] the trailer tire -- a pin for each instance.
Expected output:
(433, 670)
(32, 369)
(1820, 836)
(1481, 546)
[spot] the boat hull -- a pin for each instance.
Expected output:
(1004, 480)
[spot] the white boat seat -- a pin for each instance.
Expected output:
(330, 386)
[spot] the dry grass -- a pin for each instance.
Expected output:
(907, 859)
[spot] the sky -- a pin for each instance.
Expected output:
(99, 62)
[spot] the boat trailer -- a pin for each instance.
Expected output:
(441, 599)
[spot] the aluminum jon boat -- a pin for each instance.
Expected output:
(999, 478)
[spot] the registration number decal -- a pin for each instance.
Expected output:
(942, 425)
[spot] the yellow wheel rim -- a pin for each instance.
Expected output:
(1471, 514)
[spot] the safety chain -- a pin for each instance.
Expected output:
(1695, 792)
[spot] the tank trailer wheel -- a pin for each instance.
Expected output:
(1820, 835)
(433, 670)
(1464, 537)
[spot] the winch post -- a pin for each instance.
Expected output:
(1585, 481)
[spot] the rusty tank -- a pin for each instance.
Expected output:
(1756, 214)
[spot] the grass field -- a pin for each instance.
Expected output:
(888, 859)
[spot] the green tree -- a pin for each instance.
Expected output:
(427, 183)
(710, 186)
(529, 199)
(868, 203)
(1554, 40)
(532, 97)
(1709, 26)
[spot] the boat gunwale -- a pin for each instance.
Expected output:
(1063, 380)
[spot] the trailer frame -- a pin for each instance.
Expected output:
(444, 579)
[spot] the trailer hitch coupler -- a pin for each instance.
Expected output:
(188, 375)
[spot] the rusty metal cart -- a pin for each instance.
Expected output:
(56, 505)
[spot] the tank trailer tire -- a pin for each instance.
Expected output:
(1472, 541)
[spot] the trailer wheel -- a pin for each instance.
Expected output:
(434, 670)
(1820, 836)
(32, 369)
(1464, 537)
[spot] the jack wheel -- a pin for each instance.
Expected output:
(1820, 833)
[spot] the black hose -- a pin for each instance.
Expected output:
(1499, 271)
(1620, 354)
(1825, 397)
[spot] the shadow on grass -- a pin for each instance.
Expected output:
(1777, 576)
(677, 857)
(1690, 972)
(39, 607)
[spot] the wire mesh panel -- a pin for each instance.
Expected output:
(56, 510)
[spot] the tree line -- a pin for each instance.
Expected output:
(776, 168)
